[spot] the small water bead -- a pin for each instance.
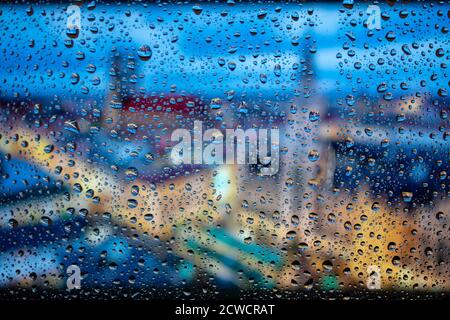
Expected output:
(144, 52)
(131, 173)
(313, 155)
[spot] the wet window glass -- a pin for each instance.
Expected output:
(207, 149)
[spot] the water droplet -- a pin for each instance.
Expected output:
(72, 126)
(144, 52)
(131, 173)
